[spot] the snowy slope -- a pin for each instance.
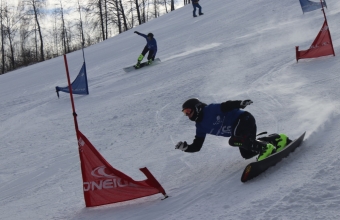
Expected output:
(238, 50)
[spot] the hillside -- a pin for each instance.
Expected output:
(236, 50)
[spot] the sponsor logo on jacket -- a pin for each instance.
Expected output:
(223, 129)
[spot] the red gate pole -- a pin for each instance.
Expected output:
(330, 37)
(71, 96)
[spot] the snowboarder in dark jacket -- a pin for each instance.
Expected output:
(196, 5)
(151, 47)
(228, 120)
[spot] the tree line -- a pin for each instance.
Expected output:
(36, 30)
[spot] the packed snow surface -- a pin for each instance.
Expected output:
(237, 50)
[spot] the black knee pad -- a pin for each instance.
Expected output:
(242, 142)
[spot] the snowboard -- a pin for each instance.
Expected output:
(144, 64)
(256, 168)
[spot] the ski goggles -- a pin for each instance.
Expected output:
(187, 111)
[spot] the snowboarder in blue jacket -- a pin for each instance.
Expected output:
(228, 119)
(151, 47)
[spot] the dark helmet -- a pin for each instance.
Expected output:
(150, 35)
(195, 105)
(190, 103)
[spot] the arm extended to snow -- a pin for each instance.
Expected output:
(196, 145)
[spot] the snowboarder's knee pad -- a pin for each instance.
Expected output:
(242, 142)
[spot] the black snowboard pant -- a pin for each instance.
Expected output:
(244, 135)
(151, 54)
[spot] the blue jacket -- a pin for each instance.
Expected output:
(216, 122)
(152, 44)
(216, 119)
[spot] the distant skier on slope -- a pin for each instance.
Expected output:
(151, 47)
(196, 5)
(228, 120)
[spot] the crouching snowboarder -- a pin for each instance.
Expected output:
(151, 47)
(228, 120)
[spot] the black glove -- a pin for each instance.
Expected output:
(181, 146)
(244, 103)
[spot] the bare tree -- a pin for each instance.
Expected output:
(64, 32)
(81, 28)
(55, 32)
(119, 17)
(10, 21)
(101, 16)
(172, 5)
(123, 15)
(165, 5)
(155, 5)
(24, 49)
(35, 7)
(116, 8)
(138, 12)
(95, 7)
(132, 19)
(143, 11)
(2, 42)
(106, 19)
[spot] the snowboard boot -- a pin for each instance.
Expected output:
(149, 61)
(195, 16)
(140, 58)
(280, 141)
(266, 149)
(137, 66)
(201, 14)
